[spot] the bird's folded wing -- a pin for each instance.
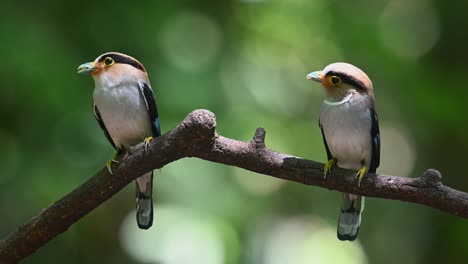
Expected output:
(150, 101)
(375, 134)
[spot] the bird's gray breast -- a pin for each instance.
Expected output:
(347, 130)
(124, 113)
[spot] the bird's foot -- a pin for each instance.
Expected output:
(109, 163)
(361, 173)
(327, 167)
(147, 141)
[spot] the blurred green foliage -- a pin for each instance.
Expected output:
(246, 61)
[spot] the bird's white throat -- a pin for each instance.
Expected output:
(344, 100)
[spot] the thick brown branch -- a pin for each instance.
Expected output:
(196, 137)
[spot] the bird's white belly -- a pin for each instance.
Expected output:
(124, 113)
(347, 129)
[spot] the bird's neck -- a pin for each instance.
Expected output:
(112, 82)
(339, 101)
(339, 97)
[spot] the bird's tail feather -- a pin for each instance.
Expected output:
(350, 216)
(144, 199)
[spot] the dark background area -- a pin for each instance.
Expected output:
(246, 61)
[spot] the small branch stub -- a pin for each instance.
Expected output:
(259, 138)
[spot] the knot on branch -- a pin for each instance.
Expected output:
(432, 177)
(258, 139)
(201, 123)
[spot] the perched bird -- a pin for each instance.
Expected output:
(125, 108)
(350, 131)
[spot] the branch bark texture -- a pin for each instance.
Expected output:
(196, 137)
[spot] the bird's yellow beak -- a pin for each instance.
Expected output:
(87, 68)
(315, 76)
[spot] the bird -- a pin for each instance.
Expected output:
(350, 131)
(125, 108)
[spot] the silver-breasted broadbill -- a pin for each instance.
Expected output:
(125, 108)
(350, 131)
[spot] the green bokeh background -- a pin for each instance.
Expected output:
(246, 61)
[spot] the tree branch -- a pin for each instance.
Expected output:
(196, 137)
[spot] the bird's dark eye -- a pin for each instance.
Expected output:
(335, 80)
(108, 61)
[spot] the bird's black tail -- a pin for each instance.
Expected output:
(144, 199)
(350, 216)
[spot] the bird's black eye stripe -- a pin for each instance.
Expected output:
(124, 60)
(347, 79)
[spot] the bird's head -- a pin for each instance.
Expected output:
(340, 79)
(113, 68)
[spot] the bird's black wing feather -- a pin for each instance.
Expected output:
(104, 129)
(329, 155)
(375, 134)
(150, 101)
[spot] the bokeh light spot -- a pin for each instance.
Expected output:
(179, 236)
(409, 29)
(397, 152)
(264, 80)
(307, 239)
(191, 176)
(191, 41)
